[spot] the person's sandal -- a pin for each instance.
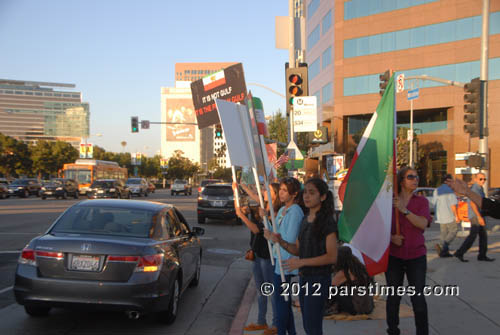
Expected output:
(254, 326)
(270, 331)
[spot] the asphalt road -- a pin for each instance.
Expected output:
(209, 307)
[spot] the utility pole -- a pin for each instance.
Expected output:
(483, 94)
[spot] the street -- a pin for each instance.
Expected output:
(212, 305)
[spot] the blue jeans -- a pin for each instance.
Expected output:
(415, 270)
(284, 311)
(312, 297)
(263, 272)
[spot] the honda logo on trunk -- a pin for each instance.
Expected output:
(86, 246)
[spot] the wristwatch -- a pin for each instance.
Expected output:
(406, 212)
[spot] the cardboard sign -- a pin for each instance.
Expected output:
(228, 84)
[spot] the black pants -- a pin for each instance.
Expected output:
(415, 270)
(475, 229)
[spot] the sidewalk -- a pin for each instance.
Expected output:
(474, 310)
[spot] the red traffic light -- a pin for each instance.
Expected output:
(295, 79)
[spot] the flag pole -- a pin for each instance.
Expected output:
(235, 189)
(394, 155)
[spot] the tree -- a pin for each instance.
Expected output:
(49, 157)
(180, 167)
(15, 157)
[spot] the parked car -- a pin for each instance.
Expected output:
(151, 187)
(4, 191)
(138, 186)
(59, 188)
(181, 186)
(206, 182)
(494, 193)
(108, 188)
(216, 201)
(23, 188)
(427, 192)
(120, 255)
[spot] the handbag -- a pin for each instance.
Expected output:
(250, 254)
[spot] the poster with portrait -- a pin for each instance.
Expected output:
(181, 120)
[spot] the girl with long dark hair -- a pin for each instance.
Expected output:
(316, 246)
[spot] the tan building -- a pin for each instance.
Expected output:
(32, 111)
(435, 38)
(194, 71)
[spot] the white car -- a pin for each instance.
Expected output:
(427, 192)
(181, 186)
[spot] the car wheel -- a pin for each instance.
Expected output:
(118, 195)
(196, 279)
(65, 195)
(129, 195)
(26, 194)
(43, 198)
(172, 194)
(146, 194)
(37, 311)
(76, 195)
(170, 314)
(201, 219)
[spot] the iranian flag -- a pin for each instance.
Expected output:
(366, 192)
(214, 80)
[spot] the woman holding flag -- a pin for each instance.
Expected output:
(316, 246)
(407, 252)
(288, 222)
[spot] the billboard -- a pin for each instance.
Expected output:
(178, 113)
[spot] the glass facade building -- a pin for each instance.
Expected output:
(32, 111)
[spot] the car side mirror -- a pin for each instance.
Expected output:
(198, 231)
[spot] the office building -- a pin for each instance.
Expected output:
(350, 43)
(32, 111)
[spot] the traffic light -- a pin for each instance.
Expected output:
(384, 81)
(135, 124)
(471, 107)
(296, 84)
(218, 131)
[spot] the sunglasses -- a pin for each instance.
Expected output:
(481, 179)
(412, 177)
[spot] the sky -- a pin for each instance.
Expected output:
(119, 53)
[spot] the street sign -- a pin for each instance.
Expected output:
(305, 115)
(413, 94)
(86, 150)
(145, 124)
(319, 136)
(293, 151)
(228, 84)
(400, 83)
(466, 170)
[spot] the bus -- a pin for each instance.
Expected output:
(85, 171)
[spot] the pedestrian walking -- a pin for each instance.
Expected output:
(316, 246)
(263, 270)
(445, 201)
(478, 225)
(407, 252)
(288, 222)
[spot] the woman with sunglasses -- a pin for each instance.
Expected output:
(288, 222)
(407, 252)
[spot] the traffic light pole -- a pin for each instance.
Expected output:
(483, 94)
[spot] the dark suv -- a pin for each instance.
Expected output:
(108, 188)
(23, 188)
(216, 201)
(59, 188)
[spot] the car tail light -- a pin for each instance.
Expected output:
(148, 263)
(49, 254)
(199, 189)
(27, 257)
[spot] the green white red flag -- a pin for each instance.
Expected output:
(367, 190)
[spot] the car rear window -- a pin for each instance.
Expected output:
(207, 182)
(133, 181)
(102, 184)
(105, 221)
(218, 191)
(180, 182)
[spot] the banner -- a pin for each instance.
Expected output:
(180, 111)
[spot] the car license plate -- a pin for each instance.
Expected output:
(85, 263)
(48, 192)
(218, 203)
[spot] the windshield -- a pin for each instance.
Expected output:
(54, 182)
(221, 191)
(180, 182)
(102, 183)
(81, 176)
(133, 181)
(105, 221)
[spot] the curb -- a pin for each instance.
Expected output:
(242, 315)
